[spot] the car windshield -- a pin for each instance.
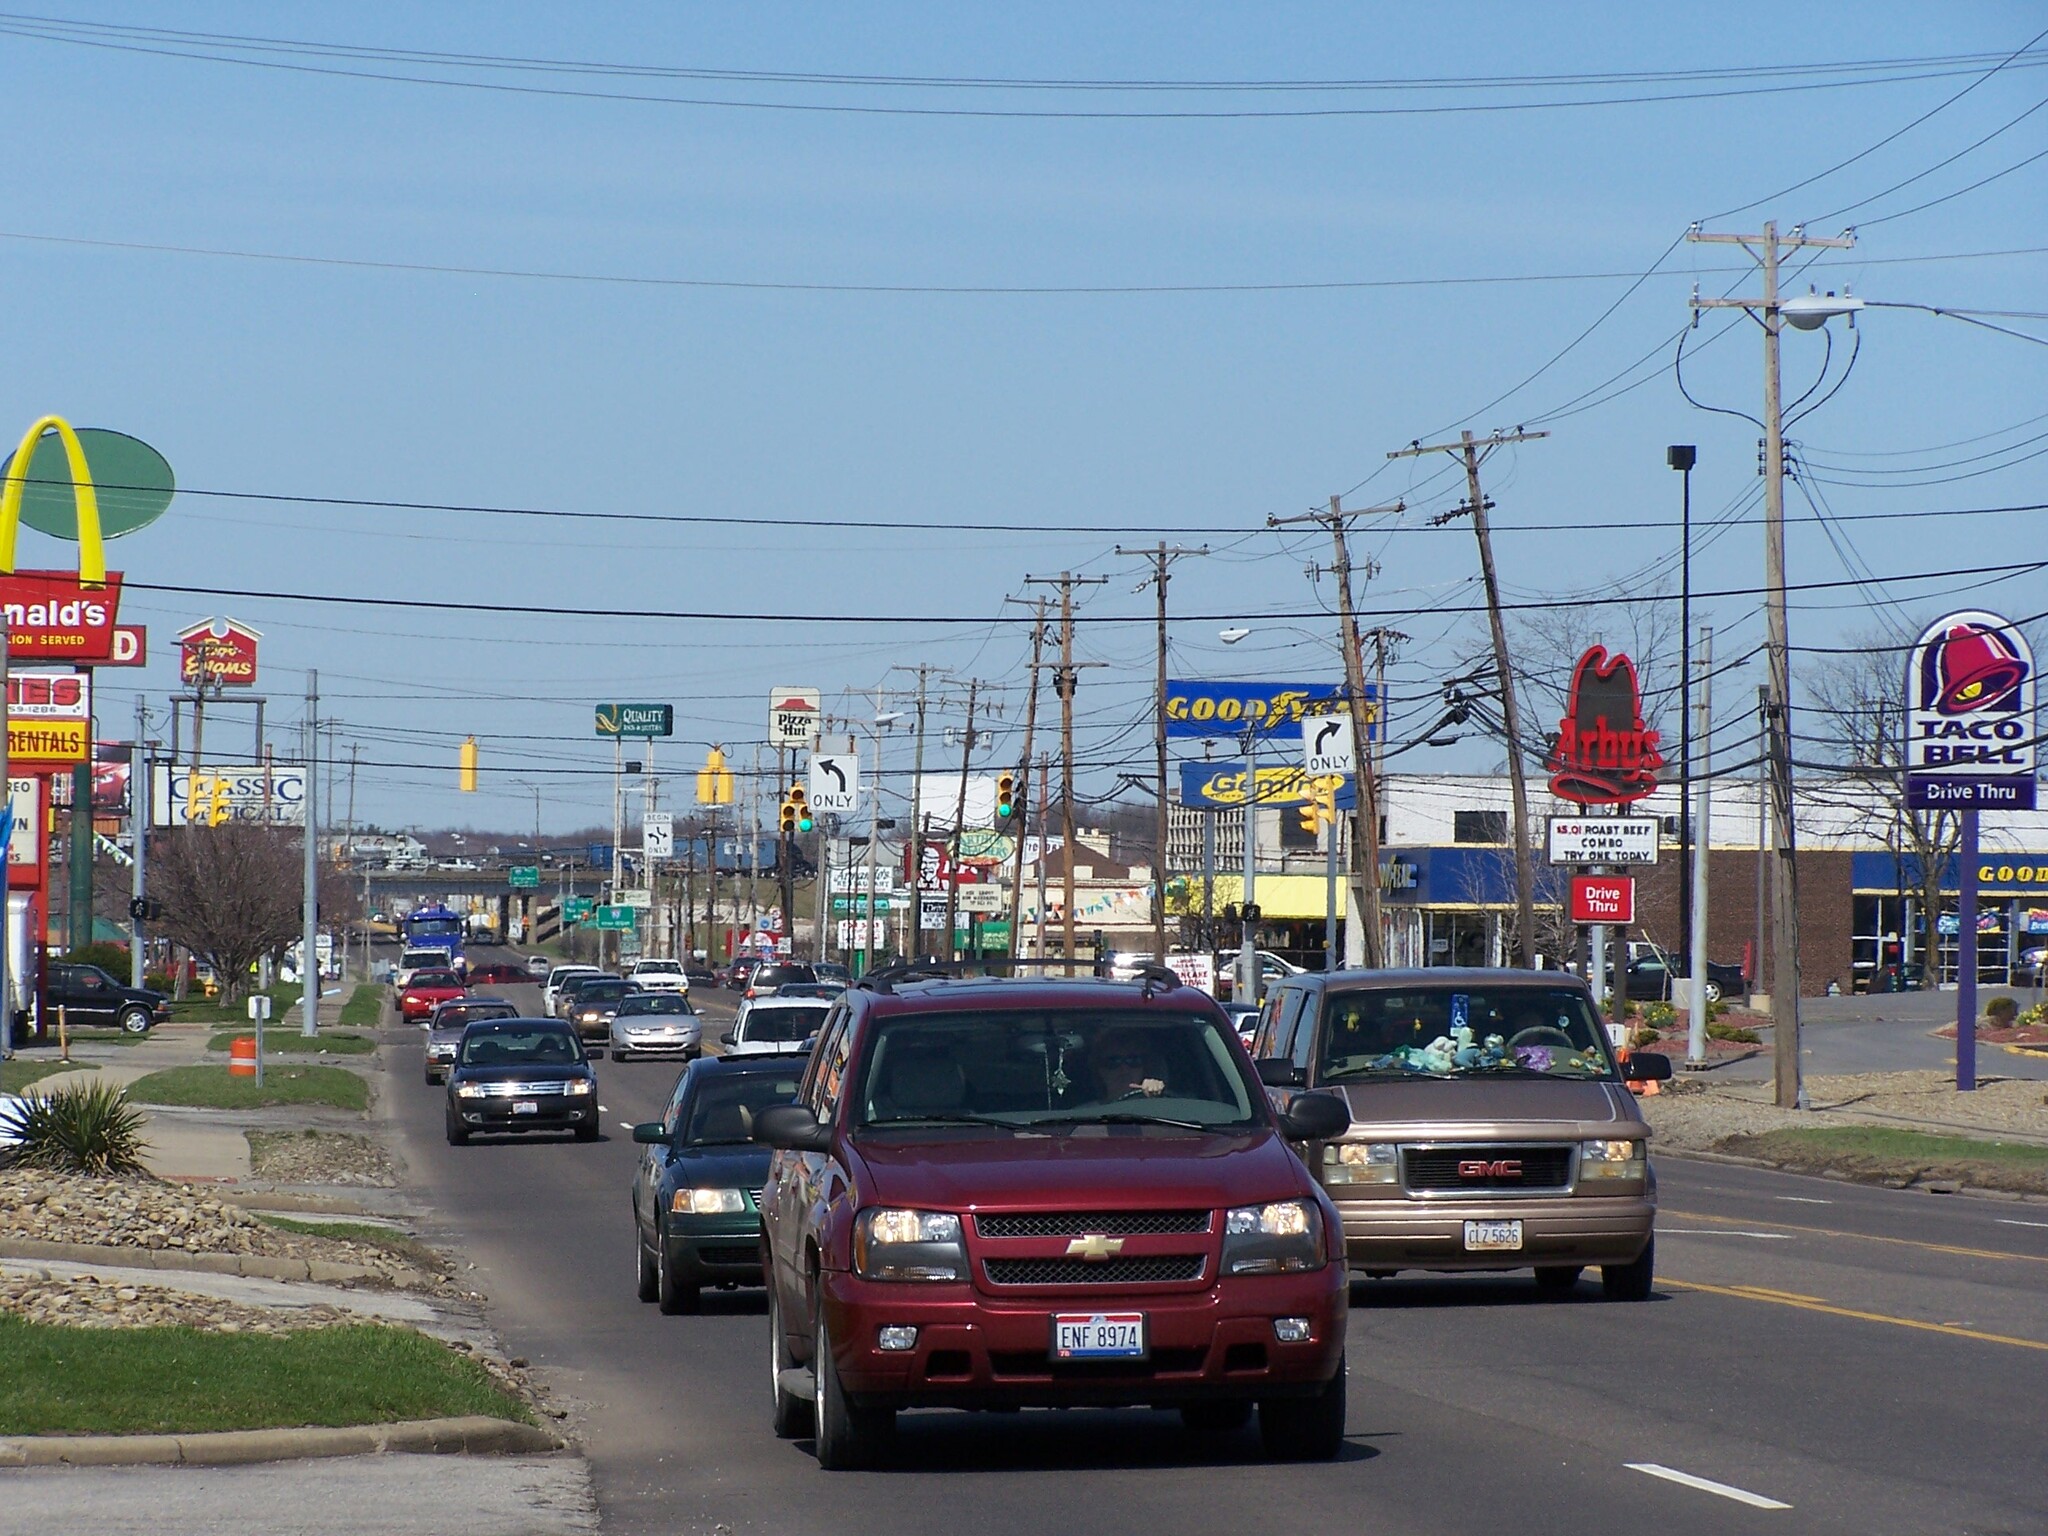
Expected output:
(721, 1111)
(414, 958)
(601, 992)
(779, 975)
(1448, 1031)
(667, 1002)
(668, 967)
(1068, 1067)
(536, 1047)
(433, 927)
(436, 979)
(461, 1014)
(783, 1024)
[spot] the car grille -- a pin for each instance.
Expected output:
(1080, 1223)
(521, 1090)
(757, 1194)
(1436, 1170)
(1151, 1270)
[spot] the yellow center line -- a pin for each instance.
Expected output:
(1806, 1304)
(1861, 1237)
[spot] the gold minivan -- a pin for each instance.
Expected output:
(1491, 1125)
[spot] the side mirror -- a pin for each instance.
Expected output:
(651, 1132)
(1279, 1072)
(1315, 1117)
(1646, 1067)
(791, 1128)
(726, 1039)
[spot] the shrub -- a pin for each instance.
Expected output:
(111, 958)
(159, 981)
(2001, 1011)
(1733, 1033)
(1659, 1015)
(90, 1128)
(1638, 1038)
(2036, 1015)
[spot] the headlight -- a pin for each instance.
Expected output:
(578, 1085)
(908, 1245)
(1361, 1162)
(1618, 1160)
(469, 1091)
(1283, 1238)
(706, 1202)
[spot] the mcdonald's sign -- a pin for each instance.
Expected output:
(55, 615)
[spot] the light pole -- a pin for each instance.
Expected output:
(1682, 457)
(880, 723)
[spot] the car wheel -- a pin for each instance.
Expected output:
(458, 1136)
(677, 1299)
(136, 1021)
(1557, 1279)
(588, 1130)
(1215, 1418)
(791, 1417)
(431, 1079)
(646, 1281)
(617, 1054)
(1305, 1428)
(1630, 1282)
(1713, 990)
(848, 1437)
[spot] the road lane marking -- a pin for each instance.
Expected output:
(1872, 1237)
(1706, 1485)
(1815, 1304)
(1782, 1237)
(2007, 1221)
(1802, 1199)
(626, 1125)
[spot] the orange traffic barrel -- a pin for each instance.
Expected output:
(242, 1056)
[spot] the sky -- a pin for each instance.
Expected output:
(622, 273)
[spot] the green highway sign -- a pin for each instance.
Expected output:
(524, 877)
(576, 908)
(636, 720)
(617, 917)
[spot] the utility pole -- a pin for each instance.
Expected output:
(138, 823)
(914, 919)
(1063, 684)
(1767, 249)
(1696, 914)
(1024, 773)
(960, 819)
(1162, 555)
(1475, 453)
(309, 958)
(1365, 716)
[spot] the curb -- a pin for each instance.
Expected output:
(1974, 1191)
(477, 1435)
(256, 1266)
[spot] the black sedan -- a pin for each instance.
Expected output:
(521, 1075)
(697, 1192)
(1658, 979)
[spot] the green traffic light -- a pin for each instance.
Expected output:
(804, 824)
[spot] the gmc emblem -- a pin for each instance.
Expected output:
(1480, 1168)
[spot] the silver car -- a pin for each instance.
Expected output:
(656, 1024)
(449, 1020)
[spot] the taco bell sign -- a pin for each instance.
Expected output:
(1970, 716)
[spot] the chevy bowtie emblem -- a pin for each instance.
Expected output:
(1095, 1247)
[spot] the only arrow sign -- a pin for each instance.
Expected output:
(1327, 746)
(835, 782)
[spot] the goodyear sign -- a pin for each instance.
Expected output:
(1206, 710)
(1214, 785)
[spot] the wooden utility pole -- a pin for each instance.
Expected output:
(1365, 718)
(1063, 684)
(1474, 453)
(914, 924)
(960, 819)
(1161, 555)
(1024, 777)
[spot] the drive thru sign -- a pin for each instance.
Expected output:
(1604, 899)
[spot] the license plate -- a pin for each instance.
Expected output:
(1098, 1336)
(1493, 1236)
(528, 1107)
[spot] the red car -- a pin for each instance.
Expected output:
(500, 976)
(999, 1194)
(426, 991)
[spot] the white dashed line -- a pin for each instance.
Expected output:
(625, 1125)
(1706, 1485)
(1802, 1199)
(1782, 1237)
(2007, 1221)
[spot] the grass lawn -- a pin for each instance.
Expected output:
(365, 1005)
(290, 1042)
(210, 1087)
(284, 997)
(181, 1381)
(1885, 1154)
(107, 1036)
(18, 1074)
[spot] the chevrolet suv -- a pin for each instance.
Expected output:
(1491, 1127)
(994, 1193)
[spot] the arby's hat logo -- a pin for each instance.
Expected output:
(1602, 753)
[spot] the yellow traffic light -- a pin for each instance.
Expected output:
(1006, 796)
(1311, 814)
(788, 821)
(207, 803)
(802, 803)
(714, 779)
(467, 771)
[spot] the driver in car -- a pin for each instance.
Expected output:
(1127, 1066)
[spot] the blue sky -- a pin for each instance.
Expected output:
(1202, 411)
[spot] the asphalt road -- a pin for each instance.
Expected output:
(1872, 1359)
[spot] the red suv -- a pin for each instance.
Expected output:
(994, 1193)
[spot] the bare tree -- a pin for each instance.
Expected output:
(231, 894)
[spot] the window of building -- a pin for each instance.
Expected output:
(1479, 826)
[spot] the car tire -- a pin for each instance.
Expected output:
(136, 1021)
(432, 1081)
(588, 1130)
(848, 1437)
(791, 1417)
(1557, 1279)
(677, 1299)
(618, 1055)
(1305, 1428)
(1215, 1418)
(646, 1279)
(1631, 1281)
(457, 1135)
(1713, 990)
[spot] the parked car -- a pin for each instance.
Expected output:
(655, 1024)
(779, 973)
(419, 997)
(591, 1004)
(659, 976)
(1491, 1128)
(89, 996)
(775, 1026)
(1659, 978)
(1056, 1193)
(697, 1191)
(447, 1022)
(521, 1075)
(560, 976)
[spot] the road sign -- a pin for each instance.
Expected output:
(636, 720)
(981, 898)
(1603, 839)
(576, 908)
(617, 917)
(1604, 899)
(523, 877)
(217, 653)
(638, 897)
(1970, 716)
(1326, 746)
(792, 717)
(49, 717)
(658, 834)
(835, 781)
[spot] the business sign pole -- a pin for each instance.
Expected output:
(1969, 745)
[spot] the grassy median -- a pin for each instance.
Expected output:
(18, 1074)
(1882, 1155)
(365, 1006)
(116, 1381)
(210, 1087)
(289, 1042)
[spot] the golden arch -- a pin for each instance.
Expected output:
(92, 548)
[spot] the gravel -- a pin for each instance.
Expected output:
(86, 1301)
(1693, 1114)
(320, 1157)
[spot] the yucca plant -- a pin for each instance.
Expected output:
(90, 1128)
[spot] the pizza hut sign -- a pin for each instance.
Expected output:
(1602, 753)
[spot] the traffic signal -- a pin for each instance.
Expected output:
(801, 802)
(788, 822)
(1006, 796)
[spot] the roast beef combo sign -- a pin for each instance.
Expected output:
(1602, 753)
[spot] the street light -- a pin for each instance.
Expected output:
(1232, 635)
(1682, 457)
(881, 723)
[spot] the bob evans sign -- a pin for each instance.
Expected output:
(53, 616)
(1603, 839)
(1199, 711)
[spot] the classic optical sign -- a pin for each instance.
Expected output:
(1970, 716)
